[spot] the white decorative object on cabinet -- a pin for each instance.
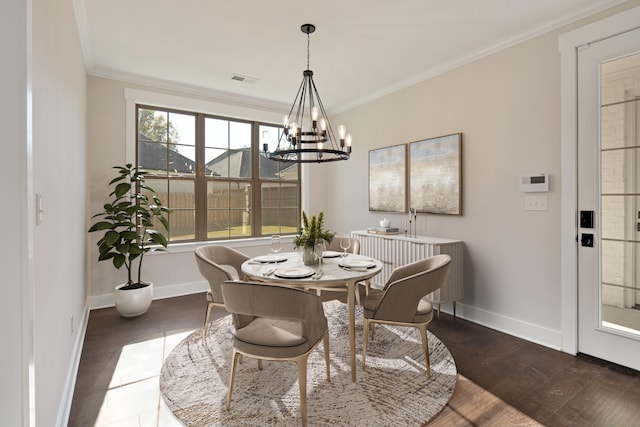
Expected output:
(397, 250)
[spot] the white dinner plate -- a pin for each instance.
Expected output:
(357, 263)
(294, 272)
(270, 258)
(331, 254)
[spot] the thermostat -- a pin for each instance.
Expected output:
(534, 183)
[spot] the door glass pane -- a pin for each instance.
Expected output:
(620, 195)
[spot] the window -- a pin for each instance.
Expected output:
(212, 173)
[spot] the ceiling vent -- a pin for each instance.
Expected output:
(245, 79)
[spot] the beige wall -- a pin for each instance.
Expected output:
(59, 171)
(15, 260)
(43, 116)
(172, 273)
(507, 106)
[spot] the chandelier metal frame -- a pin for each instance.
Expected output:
(308, 136)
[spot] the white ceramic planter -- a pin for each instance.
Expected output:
(133, 302)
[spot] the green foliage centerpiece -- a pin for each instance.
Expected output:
(310, 231)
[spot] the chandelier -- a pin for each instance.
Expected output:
(308, 136)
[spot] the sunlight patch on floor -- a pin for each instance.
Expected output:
(133, 398)
(472, 405)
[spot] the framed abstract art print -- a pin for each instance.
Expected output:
(435, 176)
(388, 179)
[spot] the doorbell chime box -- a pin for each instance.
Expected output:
(534, 183)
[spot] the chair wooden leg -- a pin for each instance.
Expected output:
(365, 338)
(327, 359)
(302, 382)
(206, 320)
(232, 377)
(260, 364)
(425, 345)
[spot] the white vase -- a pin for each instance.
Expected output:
(309, 257)
(133, 302)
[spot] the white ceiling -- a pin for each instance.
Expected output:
(361, 49)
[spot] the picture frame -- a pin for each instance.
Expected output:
(388, 179)
(435, 175)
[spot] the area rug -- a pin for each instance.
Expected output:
(393, 390)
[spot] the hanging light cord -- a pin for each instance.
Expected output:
(308, 48)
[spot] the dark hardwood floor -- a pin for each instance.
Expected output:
(502, 380)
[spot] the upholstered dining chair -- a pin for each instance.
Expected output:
(402, 301)
(274, 322)
(354, 248)
(217, 263)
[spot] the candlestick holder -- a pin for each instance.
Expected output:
(413, 223)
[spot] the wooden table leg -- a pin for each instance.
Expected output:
(351, 297)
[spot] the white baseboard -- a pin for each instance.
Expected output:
(527, 331)
(159, 292)
(64, 410)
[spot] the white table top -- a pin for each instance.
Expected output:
(333, 274)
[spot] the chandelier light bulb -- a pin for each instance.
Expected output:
(314, 114)
(285, 120)
(348, 140)
(342, 131)
(323, 124)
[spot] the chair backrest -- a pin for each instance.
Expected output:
(354, 248)
(247, 300)
(408, 284)
(218, 263)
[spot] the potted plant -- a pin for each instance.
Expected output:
(128, 222)
(310, 231)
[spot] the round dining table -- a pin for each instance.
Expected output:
(337, 271)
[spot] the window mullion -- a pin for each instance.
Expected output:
(256, 208)
(201, 182)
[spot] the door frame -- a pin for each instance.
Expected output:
(569, 44)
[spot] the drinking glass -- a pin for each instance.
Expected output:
(275, 244)
(318, 252)
(345, 243)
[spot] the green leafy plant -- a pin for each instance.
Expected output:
(128, 223)
(312, 230)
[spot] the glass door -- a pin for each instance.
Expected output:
(609, 199)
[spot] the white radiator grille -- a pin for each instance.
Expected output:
(395, 251)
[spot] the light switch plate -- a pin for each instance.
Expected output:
(535, 203)
(39, 209)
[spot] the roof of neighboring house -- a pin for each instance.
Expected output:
(237, 163)
(154, 156)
